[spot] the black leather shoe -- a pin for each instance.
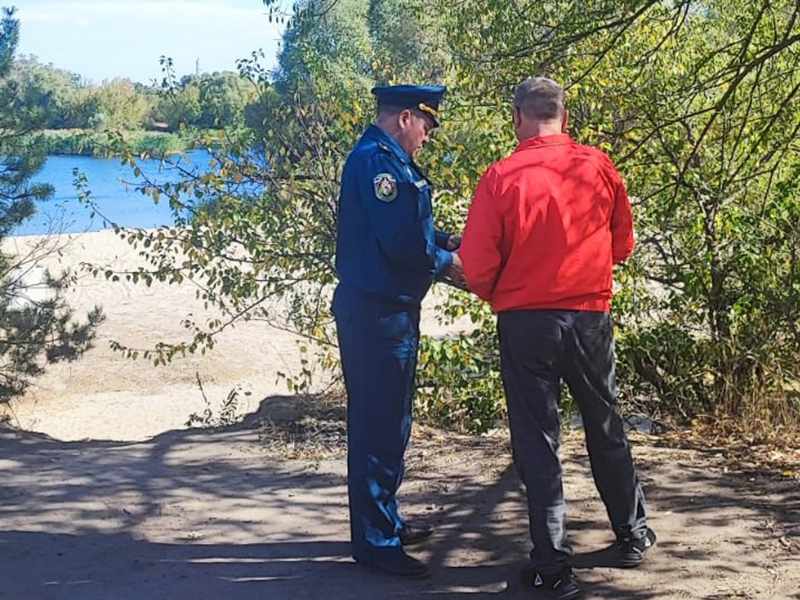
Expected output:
(414, 534)
(398, 564)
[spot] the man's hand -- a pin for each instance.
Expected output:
(453, 242)
(455, 274)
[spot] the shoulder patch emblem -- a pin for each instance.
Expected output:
(385, 187)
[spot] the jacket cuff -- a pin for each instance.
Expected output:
(441, 237)
(444, 258)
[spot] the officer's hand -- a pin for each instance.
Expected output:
(455, 274)
(453, 242)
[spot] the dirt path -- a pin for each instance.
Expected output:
(194, 515)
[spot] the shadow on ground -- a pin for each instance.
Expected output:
(201, 514)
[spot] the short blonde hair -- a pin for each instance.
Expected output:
(540, 99)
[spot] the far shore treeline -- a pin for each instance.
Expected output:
(76, 114)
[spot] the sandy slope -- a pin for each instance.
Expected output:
(104, 395)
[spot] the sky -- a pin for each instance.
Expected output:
(103, 39)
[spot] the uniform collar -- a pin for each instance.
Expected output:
(541, 141)
(388, 143)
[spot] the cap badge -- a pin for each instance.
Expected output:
(427, 109)
(385, 187)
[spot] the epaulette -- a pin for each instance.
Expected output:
(389, 150)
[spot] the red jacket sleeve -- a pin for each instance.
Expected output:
(622, 240)
(480, 244)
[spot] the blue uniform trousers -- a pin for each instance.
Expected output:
(539, 349)
(378, 342)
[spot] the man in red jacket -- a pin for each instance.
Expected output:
(545, 228)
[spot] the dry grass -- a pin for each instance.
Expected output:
(315, 429)
(744, 445)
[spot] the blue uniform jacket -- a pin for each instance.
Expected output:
(386, 245)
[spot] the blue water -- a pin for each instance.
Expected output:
(118, 201)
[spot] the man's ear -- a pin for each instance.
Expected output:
(565, 121)
(404, 118)
(517, 117)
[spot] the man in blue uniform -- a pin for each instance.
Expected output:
(387, 257)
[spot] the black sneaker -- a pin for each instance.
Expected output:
(560, 585)
(630, 552)
(414, 534)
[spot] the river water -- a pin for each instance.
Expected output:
(113, 190)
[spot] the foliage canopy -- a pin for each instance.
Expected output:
(694, 100)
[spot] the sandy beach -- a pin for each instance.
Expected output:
(106, 396)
